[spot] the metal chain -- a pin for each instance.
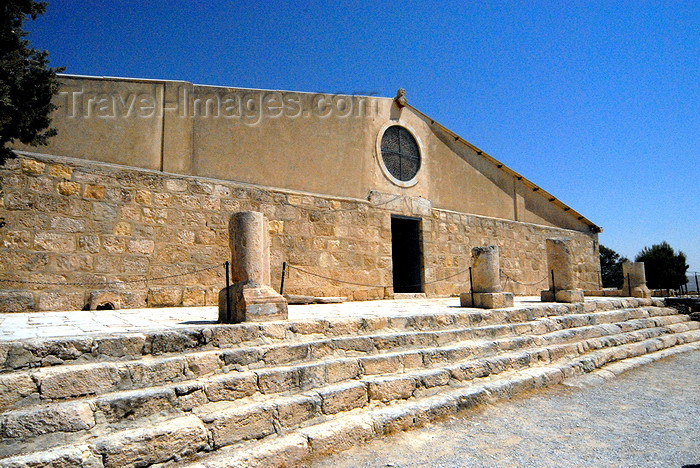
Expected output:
(542, 280)
(520, 282)
(145, 280)
(373, 285)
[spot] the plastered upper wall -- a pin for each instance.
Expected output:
(320, 143)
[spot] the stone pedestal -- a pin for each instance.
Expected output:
(486, 300)
(560, 259)
(564, 295)
(635, 284)
(250, 297)
(486, 281)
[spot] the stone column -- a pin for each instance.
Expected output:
(560, 259)
(250, 296)
(486, 281)
(635, 280)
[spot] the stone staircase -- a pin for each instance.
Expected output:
(277, 393)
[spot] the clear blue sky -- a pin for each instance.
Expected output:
(597, 102)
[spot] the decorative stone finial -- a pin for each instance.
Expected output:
(400, 98)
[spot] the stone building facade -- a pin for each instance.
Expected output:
(136, 191)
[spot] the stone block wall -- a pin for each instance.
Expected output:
(75, 231)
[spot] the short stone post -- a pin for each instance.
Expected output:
(560, 259)
(635, 280)
(251, 297)
(486, 281)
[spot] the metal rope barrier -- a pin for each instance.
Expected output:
(145, 280)
(597, 285)
(520, 282)
(374, 285)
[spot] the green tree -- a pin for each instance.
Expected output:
(664, 267)
(27, 83)
(611, 268)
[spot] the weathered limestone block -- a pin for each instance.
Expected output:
(71, 417)
(635, 280)
(284, 354)
(487, 292)
(60, 171)
(434, 408)
(251, 304)
(344, 397)
(394, 419)
(16, 301)
(362, 344)
(55, 242)
(560, 260)
(18, 355)
(194, 296)
(391, 388)
(312, 376)
(158, 372)
(14, 388)
(570, 296)
(344, 326)
(146, 446)
(135, 405)
(203, 364)
(292, 411)
(72, 456)
(342, 369)
(421, 206)
(277, 380)
(250, 298)
(436, 378)
(412, 360)
(231, 386)
(68, 188)
(190, 396)
(171, 341)
(486, 300)
(232, 425)
(61, 300)
(374, 365)
(80, 380)
(32, 167)
(166, 296)
(337, 435)
(96, 192)
(284, 451)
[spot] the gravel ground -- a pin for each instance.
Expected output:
(648, 417)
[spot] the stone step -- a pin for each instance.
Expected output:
(226, 400)
(32, 353)
(429, 370)
(76, 380)
(47, 384)
(138, 446)
(326, 437)
(172, 439)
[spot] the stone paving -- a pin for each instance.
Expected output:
(74, 323)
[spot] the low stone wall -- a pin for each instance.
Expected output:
(70, 226)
